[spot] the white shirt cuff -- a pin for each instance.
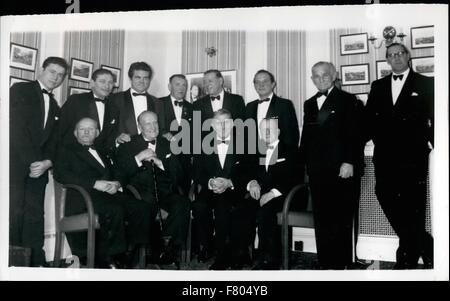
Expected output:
(276, 192)
(139, 163)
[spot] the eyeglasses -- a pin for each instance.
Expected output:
(394, 54)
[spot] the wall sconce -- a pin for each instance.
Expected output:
(211, 51)
(389, 34)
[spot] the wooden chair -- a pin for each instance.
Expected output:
(288, 219)
(75, 223)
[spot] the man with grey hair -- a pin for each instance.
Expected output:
(331, 147)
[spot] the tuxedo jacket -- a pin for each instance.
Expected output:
(122, 107)
(401, 133)
(142, 177)
(232, 102)
(332, 135)
(166, 114)
(284, 111)
(281, 173)
(29, 140)
(82, 105)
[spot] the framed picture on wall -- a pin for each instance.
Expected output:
(355, 74)
(115, 71)
(423, 65)
(383, 69)
(81, 70)
(23, 57)
(13, 80)
(363, 97)
(195, 89)
(77, 90)
(422, 37)
(354, 43)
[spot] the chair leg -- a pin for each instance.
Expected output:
(91, 248)
(58, 248)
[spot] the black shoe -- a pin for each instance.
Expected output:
(239, 262)
(220, 265)
(266, 265)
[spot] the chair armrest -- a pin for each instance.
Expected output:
(288, 200)
(86, 198)
(134, 192)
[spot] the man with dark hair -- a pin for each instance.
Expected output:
(95, 105)
(174, 113)
(34, 115)
(400, 118)
(82, 164)
(332, 148)
(146, 159)
(128, 105)
(269, 105)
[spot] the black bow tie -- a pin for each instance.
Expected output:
(47, 92)
(100, 100)
(87, 147)
(153, 142)
(224, 141)
(270, 147)
(215, 97)
(178, 103)
(139, 94)
(263, 100)
(398, 76)
(319, 94)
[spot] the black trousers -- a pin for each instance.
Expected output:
(233, 221)
(402, 195)
(124, 221)
(335, 202)
(26, 211)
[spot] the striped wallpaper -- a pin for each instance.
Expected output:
(30, 39)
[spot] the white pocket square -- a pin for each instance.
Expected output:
(237, 162)
(332, 112)
(414, 94)
(56, 118)
(281, 160)
(113, 121)
(168, 155)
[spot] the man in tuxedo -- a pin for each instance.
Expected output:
(175, 122)
(221, 188)
(95, 105)
(80, 163)
(400, 117)
(34, 115)
(269, 105)
(147, 164)
(273, 177)
(129, 104)
(332, 148)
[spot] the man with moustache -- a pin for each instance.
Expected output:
(175, 120)
(34, 115)
(95, 105)
(400, 119)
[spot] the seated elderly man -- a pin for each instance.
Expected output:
(81, 164)
(148, 164)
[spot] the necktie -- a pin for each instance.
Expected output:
(139, 94)
(47, 92)
(100, 100)
(398, 76)
(178, 103)
(322, 93)
(263, 100)
(224, 141)
(215, 97)
(152, 142)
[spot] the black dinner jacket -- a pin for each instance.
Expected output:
(166, 114)
(122, 106)
(82, 105)
(29, 140)
(401, 132)
(284, 111)
(332, 135)
(232, 102)
(142, 177)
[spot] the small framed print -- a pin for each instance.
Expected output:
(196, 89)
(354, 44)
(423, 65)
(77, 90)
(81, 70)
(355, 74)
(422, 37)
(13, 80)
(383, 69)
(23, 57)
(116, 73)
(363, 97)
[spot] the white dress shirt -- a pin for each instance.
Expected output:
(139, 105)
(217, 104)
(222, 150)
(177, 109)
(397, 84)
(269, 154)
(46, 103)
(262, 111)
(322, 98)
(101, 111)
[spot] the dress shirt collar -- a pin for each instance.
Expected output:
(405, 75)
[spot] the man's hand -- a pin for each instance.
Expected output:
(102, 185)
(112, 187)
(346, 170)
(265, 198)
(146, 155)
(219, 185)
(254, 189)
(37, 168)
(122, 138)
